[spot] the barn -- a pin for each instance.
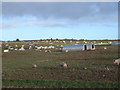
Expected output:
(78, 47)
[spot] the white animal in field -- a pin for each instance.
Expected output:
(6, 45)
(16, 45)
(61, 45)
(51, 47)
(22, 49)
(34, 66)
(48, 51)
(117, 61)
(10, 48)
(63, 64)
(45, 47)
(105, 48)
(64, 42)
(15, 49)
(30, 47)
(6, 51)
(66, 50)
(107, 68)
(36, 47)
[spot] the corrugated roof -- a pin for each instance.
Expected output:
(115, 43)
(73, 47)
(78, 45)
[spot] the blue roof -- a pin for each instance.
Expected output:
(78, 45)
(73, 47)
(116, 43)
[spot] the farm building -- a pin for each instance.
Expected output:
(89, 46)
(78, 47)
(102, 44)
(73, 47)
(115, 43)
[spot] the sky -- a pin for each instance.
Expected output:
(62, 20)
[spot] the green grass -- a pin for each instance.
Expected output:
(58, 84)
(17, 68)
(18, 65)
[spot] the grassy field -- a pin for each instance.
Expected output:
(86, 69)
(57, 84)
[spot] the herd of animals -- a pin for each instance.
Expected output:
(62, 64)
(65, 65)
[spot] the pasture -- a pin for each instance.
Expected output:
(86, 69)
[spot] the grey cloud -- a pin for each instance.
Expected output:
(108, 8)
(10, 25)
(61, 10)
(110, 25)
(48, 25)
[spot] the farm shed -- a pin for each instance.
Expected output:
(73, 47)
(115, 43)
(102, 44)
(78, 47)
(89, 46)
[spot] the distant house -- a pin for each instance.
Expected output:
(78, 47)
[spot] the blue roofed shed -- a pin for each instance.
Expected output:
(78, 47)
(73, 47)
(115, 43)
(89, 46)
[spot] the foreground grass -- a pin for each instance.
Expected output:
(57, 84)
(18, 65)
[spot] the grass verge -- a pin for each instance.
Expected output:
(57, 84)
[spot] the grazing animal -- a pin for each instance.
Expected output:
(6, 51)
(105, 48)
(15, 49)
(21, 49)
(107, 68)
(66, 50)
(117, 61)
(48, 51)
(64, 65)
(30, 47)
(16, 45)
(39, 47)
(34, 66)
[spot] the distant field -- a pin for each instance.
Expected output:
(53, 42)
(86, 69)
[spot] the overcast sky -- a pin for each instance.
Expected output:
(45, 20)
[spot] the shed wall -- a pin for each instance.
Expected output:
(78, 47)
(73, 47)
(90, 46)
